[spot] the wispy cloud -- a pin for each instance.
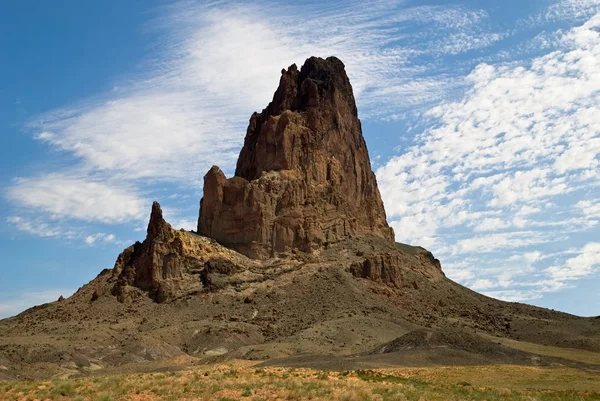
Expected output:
(584, 264)
(219, 62)
(192, 111)
(56, 229)
(82, 198)
(39, 228)
(99, 237)
(570, 10)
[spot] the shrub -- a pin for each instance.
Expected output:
(65, 389)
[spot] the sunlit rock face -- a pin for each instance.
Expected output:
(170, 263)
(303, 179)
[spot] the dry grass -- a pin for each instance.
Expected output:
(573, 354)
(242, 381)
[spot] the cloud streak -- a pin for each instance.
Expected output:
(81, 198)
(191, 108)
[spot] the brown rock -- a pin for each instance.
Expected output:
(380, 267)
(303, 178)
(150, 264)
(157, 226)
(390, 267)
(169, 263)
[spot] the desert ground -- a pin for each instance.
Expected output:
(237, 380)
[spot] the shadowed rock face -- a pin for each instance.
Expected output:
(303, 178)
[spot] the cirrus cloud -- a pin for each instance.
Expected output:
(58, 196)
(190, 110)
(519, 151)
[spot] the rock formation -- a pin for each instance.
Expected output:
(169, 263)
(303, 178)
(389, 266)
(303, 183)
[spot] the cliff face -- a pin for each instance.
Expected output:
(303, 178)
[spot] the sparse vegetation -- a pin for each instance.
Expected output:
(241, 380)
(65, 389)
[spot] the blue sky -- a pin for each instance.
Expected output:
(482, 120)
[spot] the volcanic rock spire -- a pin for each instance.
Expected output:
(303, 178)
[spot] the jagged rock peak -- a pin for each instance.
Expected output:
(157, 226)
(322, 88)
(168, 263)
(303, 178)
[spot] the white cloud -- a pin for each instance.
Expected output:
(146, 134)
(192, 112)
(39, 229)
(590, 209)
(99, 237)
(179, 220)
(219, 62)
(17, 304)
(571, 10)
(527, 257)
(511, 159)
(527, 185)
(189, 224)
(462, 42)
(461, 271)
(493, 242)
(491, 224)
(511, 127)
(514, 295)
(57, 196)
(584, 264)
(483, 284)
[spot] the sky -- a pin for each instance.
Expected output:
(482, 120)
